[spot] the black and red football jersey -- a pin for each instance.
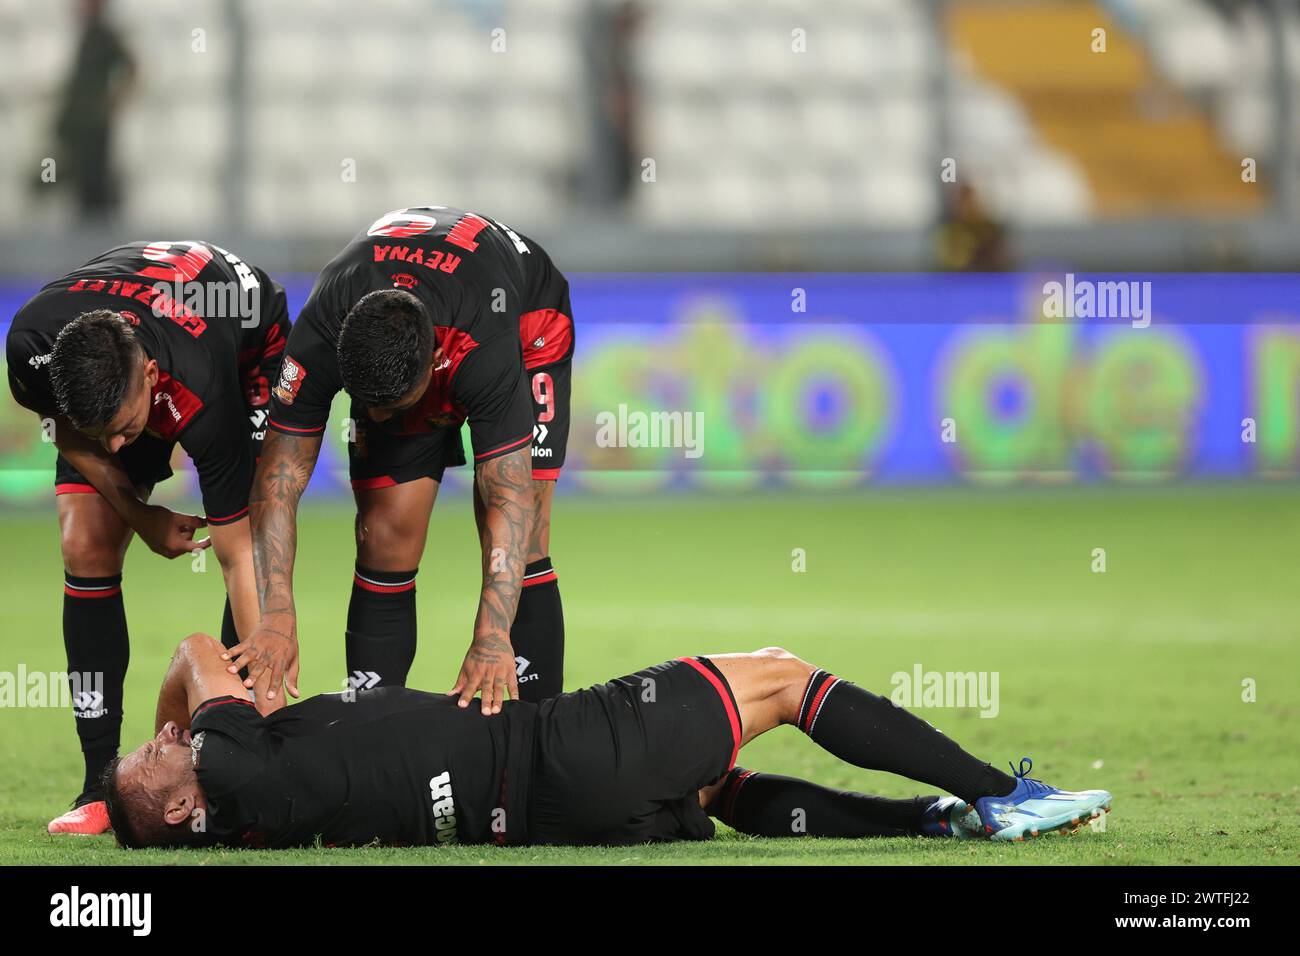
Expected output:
(217, 328)
(474, 276)
(390, 765)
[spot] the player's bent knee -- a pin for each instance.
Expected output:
(88, 555)
(92, 538)
(199, 641)
(384, 543)
(785, 677)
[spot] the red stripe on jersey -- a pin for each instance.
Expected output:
(544, 579)
(74, 488)
(733, 717)
(291, 428)
(174, 406)
(546, 474)
(505, 448)
(546, 335)
(368, 484)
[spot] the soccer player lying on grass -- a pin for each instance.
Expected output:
(644, 758)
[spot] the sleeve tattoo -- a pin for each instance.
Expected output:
(282, 476)
(505, 485)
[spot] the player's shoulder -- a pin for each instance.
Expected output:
(438, 244)
(230, 716)
(44, 313)
(229, 744)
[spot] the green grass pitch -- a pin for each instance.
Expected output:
(1131, 680)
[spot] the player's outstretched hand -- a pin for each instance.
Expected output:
(168, 533)
(271, 655)
(489, 669)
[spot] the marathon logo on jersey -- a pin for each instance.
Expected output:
(291, 378)
(444, 807)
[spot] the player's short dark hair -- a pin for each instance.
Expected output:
(385, 346)
(93, 362)
(136, 816)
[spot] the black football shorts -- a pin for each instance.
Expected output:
(147, 461)
(623, 762)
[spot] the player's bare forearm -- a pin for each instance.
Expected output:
(270, 651)
(104, 471)
(233, 546)
(282, 474)
(505, 485)
(164, 531)
(173, 695)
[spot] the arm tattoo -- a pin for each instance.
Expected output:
(506, 487)
(541, 519)
(282, 475)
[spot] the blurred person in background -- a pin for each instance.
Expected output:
(968, 238)
(103, 73)
(611, 31)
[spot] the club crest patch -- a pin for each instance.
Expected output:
(291, 379)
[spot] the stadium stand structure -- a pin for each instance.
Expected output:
(848, 134)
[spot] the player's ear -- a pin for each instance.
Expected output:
(150, 372)
(180, 805)
(422, 386)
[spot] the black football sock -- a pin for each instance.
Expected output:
(95, 638)
(381, 627)
(538, 634)
(229, 636)
(770, 805)
(868, 731)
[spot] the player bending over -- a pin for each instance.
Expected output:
(147, 346)
(430, 318)
(647, 757)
